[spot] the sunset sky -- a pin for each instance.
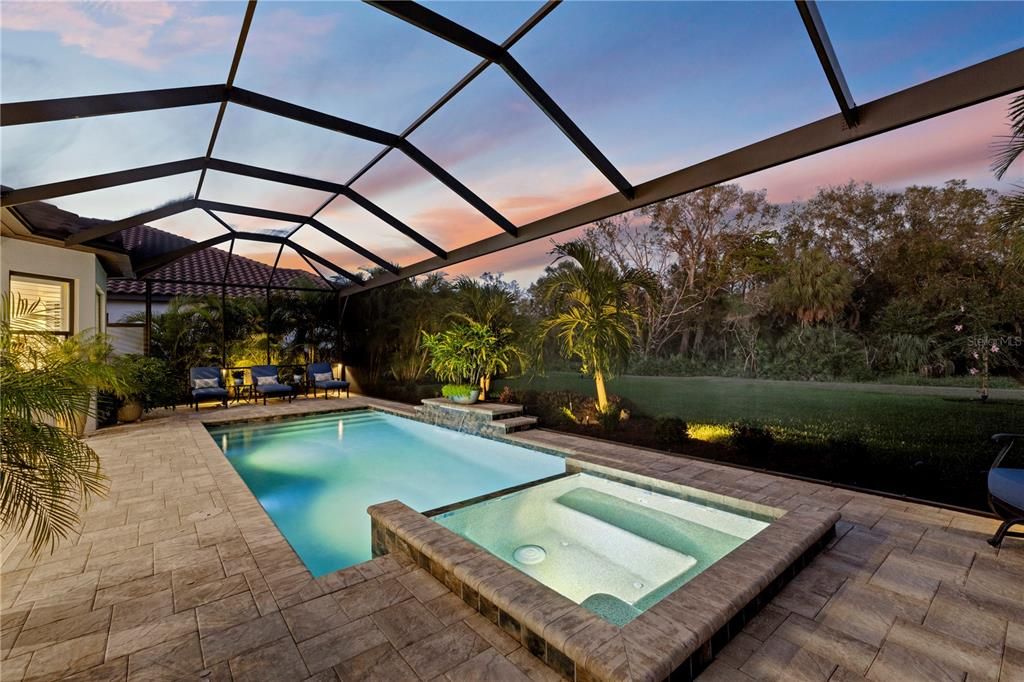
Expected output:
(657, 86)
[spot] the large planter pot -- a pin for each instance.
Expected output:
(466, 399)
(131, 411)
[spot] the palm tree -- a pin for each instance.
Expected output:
(812, 288)
(596, 319)
(1010, 215)
(46, 471)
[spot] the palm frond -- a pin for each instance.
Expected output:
(1010, 147)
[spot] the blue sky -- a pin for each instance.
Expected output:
(657, 86)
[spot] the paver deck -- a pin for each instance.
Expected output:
(179, 574)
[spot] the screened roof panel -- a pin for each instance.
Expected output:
(409, 193)
(678, 82)
(261, 252)
(345, 218)
(61, 150)
(247, 223)
(274, 196)
(123, 201)
(66, 49)
(350, 60)
(326, 247)
(888, 46)
(641, 88)
(195, 225)
(495, 20)
(511, 154)
(259, 139)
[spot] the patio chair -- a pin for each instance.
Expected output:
(319, 375)
(1006, 489)
(205, 384)
(266, 383)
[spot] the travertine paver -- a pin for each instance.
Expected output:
(179, 574)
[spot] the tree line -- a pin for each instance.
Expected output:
(856, 283)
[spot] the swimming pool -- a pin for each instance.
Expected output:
(615, 549)
(316, 475)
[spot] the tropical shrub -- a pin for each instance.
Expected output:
(47, 472)
(749, 437)
(147, 380)
(670, 431)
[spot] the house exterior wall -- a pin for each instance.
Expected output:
(90, 280)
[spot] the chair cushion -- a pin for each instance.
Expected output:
(206, 383)
(209, 392)
(332, 383)
(273, 388)
(264, 381)
(1008, 485)
(322, 376)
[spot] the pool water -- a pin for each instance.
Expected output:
(613, 548)
(316, 475)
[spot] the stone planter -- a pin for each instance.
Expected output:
(466, 399)
(131, 411)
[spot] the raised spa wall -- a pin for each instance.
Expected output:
(673, 640)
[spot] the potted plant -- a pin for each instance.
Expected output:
(469, 354)
(464, 394)
(145, 385)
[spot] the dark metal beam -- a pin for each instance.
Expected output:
(523, 29)
(441, 26)
(250, 9)
(466, 194)
(982, 82)
(325, 186)
(818, 34)
(299, 219)
(116, 226)
(318, 273)
(41, 111)
(353, 129)
(93, 182)
(341, 239)
(445, 28)
(270, 105)
(163, 260)
(238, 209)
(302, 250)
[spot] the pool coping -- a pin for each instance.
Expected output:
(675, 638)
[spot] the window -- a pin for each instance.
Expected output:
(53, 312)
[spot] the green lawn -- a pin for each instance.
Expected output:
(901, 418)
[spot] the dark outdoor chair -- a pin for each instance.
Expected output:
(266, 383)
(205, 384)
(315, 376)
(1006, 489)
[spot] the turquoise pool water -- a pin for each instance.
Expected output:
(316, 475)
(612, 548)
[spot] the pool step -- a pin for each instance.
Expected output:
(491, 419)
(500, 427)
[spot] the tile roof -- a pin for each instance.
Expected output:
(142, 242)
